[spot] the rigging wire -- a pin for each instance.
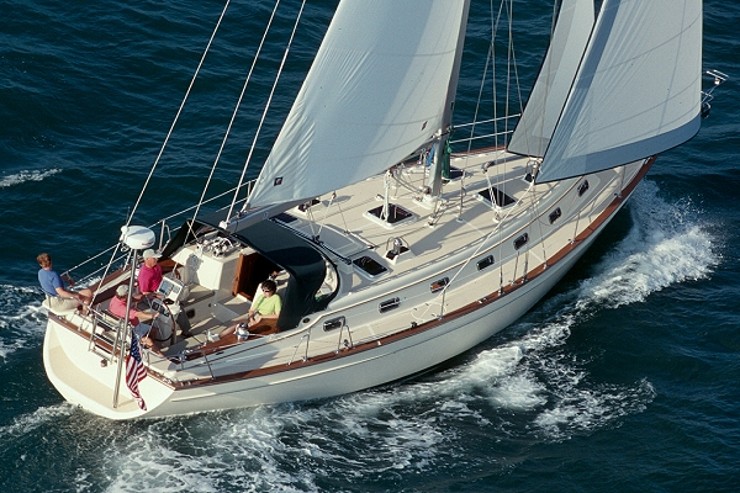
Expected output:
(165, 142)
(179, 112)
(267, 107)
(237, 106)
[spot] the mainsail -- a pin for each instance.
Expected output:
(545, 104)
(637, 92)
(378, 90)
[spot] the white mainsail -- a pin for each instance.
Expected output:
(638, 89)
(378, 90)
(545, 104)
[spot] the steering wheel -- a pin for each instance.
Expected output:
(165, 322)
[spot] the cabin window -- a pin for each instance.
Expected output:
(334, 324)
(582, 188)
(369, 265)
(521, 241)
(439, 285)
(388, 305)
(555, 215)
(485, 262)
(396, 213)
(495, 196)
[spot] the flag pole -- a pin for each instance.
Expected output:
(128, 330)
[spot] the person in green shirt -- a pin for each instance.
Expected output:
(266, 307)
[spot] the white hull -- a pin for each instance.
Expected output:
(309, 363)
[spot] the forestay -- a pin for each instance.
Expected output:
(379, 89)
(638, 89)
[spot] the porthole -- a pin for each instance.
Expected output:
(388, 305)
(485, 262)
(439, 285)
(521, 241)
(334, 324)
(555, 215)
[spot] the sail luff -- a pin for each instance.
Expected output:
(637, 92)
(376, 92)
(569, 39)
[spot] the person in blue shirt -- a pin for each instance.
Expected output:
(54, 288)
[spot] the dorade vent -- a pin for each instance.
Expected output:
(496, 197)
(388, 305)
(485, 262)
(369, 265)
(555, 215)
(521, 241)
(439, 285)
(397, 247)
(334, 324)
(395, 216)
(307, 205)
(582, 188)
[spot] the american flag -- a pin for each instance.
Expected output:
(135, 372)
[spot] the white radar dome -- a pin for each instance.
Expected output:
(137, 237)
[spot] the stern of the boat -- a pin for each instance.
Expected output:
(86, 377)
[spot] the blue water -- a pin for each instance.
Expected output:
(626, 378)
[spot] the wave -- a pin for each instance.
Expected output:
(41, 417)
(26, 176)
(669, 244)
(21, 320)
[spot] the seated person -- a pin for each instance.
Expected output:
(53, 286)
(264, 308)
(144, 332)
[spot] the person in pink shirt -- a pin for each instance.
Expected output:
(150, 273)
(145, 332)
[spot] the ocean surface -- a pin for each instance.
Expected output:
(625, 378)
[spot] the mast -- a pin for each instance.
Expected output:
(440, 147)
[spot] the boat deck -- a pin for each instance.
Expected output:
(464, 226)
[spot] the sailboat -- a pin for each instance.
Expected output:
(392, 247)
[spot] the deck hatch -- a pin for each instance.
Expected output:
(396, 213)
(496, 197)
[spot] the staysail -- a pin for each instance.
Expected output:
(637, 92)
(569, 39)
(377, 91)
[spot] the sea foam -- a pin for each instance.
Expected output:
(25, 176)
